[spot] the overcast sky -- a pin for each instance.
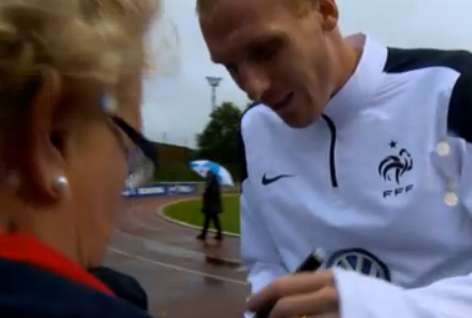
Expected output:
(177, 96)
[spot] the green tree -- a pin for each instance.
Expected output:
(219, 141)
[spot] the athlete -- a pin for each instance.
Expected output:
(353, 148)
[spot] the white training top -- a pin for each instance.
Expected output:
(382, 184)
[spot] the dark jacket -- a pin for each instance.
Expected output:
(122, 285)
(212, 196)
(29, 292)
(36, 281)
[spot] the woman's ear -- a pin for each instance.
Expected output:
(42, 162)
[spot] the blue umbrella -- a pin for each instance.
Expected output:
(203, 166)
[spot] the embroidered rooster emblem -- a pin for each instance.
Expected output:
(394, 167)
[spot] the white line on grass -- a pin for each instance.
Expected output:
(161, 213)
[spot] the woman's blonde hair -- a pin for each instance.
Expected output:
(96, 39)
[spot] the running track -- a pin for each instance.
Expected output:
(183, 277)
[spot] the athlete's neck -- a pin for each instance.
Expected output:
(350, 52)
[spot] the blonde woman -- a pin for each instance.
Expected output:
(70, 78)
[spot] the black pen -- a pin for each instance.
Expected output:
(311, 264)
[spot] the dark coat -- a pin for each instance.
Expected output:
(122, 285)
(29, 292)
(212, 196)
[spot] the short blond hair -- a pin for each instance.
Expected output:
(96, 39)
(206, 6)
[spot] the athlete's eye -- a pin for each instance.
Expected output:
(265, 54)
(265, 50)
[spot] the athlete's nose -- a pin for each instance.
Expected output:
(254, 81)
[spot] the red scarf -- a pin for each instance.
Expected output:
(28, 249)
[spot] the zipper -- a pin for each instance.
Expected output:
(332, 151)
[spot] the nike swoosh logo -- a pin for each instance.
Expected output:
(266, 181)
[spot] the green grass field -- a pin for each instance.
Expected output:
(189, 212)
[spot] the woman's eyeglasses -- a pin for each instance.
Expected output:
(142, 159)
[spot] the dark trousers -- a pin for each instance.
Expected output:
(216, 221)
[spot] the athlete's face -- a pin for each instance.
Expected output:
(276, 54)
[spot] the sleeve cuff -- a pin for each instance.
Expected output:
(366, 297)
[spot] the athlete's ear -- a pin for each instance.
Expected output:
(329, 13)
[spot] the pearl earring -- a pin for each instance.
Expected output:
(61, 184)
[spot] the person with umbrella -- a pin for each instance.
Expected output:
(212, 206)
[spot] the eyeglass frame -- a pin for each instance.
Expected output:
(148, 148)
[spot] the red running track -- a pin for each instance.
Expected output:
(182, 276)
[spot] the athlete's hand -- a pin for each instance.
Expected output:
(299, 295)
